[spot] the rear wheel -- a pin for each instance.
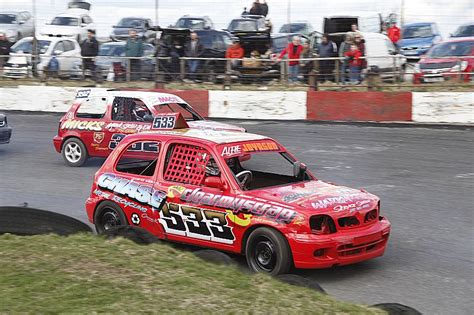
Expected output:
(267, 251)
(74, 152)
(107, 216)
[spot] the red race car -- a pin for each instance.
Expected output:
(99, 119)
(236, 192)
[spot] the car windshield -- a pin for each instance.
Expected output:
(26, 46)
(454, 49)
(417, 31)
(264, 162)
(293, 28)
(65, 21)
(111, 50)
(464, 31)
(131, 23)
(243, 25)
(7, 19)
(183, 109)
(195, 24)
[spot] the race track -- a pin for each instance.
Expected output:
(424, 178)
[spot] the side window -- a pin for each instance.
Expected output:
(189, 164)
(93, 107)
(59, 47)
(68, 45)
(139, 158)
(148, 50)
(129, 109)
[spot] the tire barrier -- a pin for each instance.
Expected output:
(397, 309)
(136, 234)
(300, 281)
(30, 221)
(215, 257)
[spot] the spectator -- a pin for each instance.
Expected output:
(195, 49)
(360, 43)
(259, 8)
(89, 50)
(245, 12)
(327, 49)
(294, 50)
(393, 33)
(235, 51)
(306, 66)
(134, 49)
(355, 63)
(343, 48)
(384, 29)
(176, 51)
(355, 28)
(4, 49)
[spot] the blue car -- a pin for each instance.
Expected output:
(418, 38)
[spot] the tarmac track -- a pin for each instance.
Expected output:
(424, 177)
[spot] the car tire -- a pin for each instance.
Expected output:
(300, 281)
(30, 221)
(397, 309)
(267, 251)
(135, 234)
(74, 152)
(215, 257)
(107, 216)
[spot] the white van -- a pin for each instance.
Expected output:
(382, 55)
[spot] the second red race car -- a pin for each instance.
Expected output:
(237, 192)
(99, 119)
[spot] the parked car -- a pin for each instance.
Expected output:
(449, 60)
(144, 27)
(107, 61)
(66, 50)
(5, 130)
(418, 38)
(16, 25)
(72, 24)
(465, 30)
(215, 46)
(248, 23)
(302, 27)
(338, 25)
(194, 22)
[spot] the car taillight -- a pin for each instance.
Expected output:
(322, 224)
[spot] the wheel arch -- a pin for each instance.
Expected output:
(253, 228)
(72, 136)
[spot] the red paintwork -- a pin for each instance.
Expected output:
(97, 141)
(359, 106)
(303, 199)
(447, 74)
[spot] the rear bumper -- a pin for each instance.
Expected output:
(5, 135)
(58, 141)
(341, 248)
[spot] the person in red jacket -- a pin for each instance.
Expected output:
(355, 63)
(393, 33)
(294, 50)
(235, 52)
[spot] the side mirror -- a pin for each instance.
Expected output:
(57, 52)
(214, 182)
(299, 169)
(148, 118)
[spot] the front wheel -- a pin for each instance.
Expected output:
(74, 152)
(108, 216)
(267, 251)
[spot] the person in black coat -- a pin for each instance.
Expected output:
(89, 50)
(193, 48)
(5, 46)
(259, 8)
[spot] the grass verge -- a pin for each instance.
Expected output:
(85, 274)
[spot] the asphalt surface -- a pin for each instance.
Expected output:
(424, 177)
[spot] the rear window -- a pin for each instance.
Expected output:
(195, 24)
(417, 31)
(243, 25)
(464, 31)
(94, 107)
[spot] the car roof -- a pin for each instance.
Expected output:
(207, 135)
(197, 17)
(11, 12)
(151, 98)
(134, 17)
(52, 39)
(73, 15)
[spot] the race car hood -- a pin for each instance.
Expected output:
(316, 196)
(213, 125)
(60, 30)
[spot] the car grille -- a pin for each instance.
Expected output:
(352, 250)
(438, 65)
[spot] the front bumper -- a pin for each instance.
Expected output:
(341, 248)
(5, 134)
(58, 142)
(15, 73)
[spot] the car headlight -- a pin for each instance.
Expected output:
(459, 67)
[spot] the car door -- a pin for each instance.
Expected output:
(189, 173)
(124, 120)
(70, 56)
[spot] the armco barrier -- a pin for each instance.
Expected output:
(425, 107)
(359, 106)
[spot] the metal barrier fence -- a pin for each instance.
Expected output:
(380, 71)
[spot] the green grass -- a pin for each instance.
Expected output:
(86, 274)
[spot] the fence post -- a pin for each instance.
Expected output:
(338, 71)
(227, 77)
(182, 68)
(282, 71)
(128, 69)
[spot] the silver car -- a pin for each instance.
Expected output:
(16, 25)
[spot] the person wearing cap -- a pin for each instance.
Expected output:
(235, 52)
(89, 50)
